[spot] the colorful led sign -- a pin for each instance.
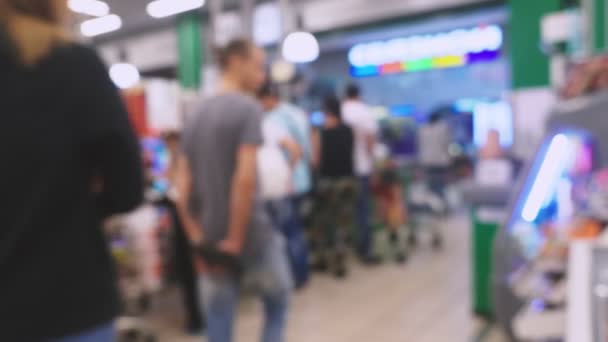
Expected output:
(418, 53)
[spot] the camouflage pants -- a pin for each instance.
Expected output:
(333, 216)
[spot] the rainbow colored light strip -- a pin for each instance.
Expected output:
(425, 64)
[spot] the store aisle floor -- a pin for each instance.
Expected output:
(427, 300)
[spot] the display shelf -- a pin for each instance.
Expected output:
(534, 323)
(536, 284)
(545, 293)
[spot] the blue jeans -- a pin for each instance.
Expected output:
(269, 275)
(364, 233)
(104, 333)
(285, 214)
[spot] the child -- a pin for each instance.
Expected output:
(390, 205)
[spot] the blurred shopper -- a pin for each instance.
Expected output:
(433, 149)
(74, 160)
(360, 118)
(336, 189)
(219, 201)
(184, 263)
(492, 149)
(390, 204)
(293, 121)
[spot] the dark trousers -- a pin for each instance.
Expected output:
(285, 214)
(364, 230)
(186, 274)
(334, 206)
(437, 179)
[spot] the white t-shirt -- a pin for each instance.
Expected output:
(274, 173)
(360, 118)
(273, 133)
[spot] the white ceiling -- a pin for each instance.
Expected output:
(133, 12)
(134, 17)
(136, 20)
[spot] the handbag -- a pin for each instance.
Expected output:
(273, 172)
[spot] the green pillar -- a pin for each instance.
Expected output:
(530, 67)
(599, 25)
(190, 50)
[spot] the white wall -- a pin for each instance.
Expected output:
(325, 15)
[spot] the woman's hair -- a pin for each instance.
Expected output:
(332, 106)
(353, 91)
(38, 31)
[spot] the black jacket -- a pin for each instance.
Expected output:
(62, 124)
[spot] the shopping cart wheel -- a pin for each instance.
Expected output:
(412, 240)
(401, 258)
(437, 242)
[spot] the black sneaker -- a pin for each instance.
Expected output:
(195, 330)
(401, 258)
(320, 265)
(393, 238)
(371, 260)
(341, 273)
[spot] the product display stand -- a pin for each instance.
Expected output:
(487, 214)
(548, 269)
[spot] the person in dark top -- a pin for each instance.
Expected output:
(336, 189)
(184, 262)
(69, 160)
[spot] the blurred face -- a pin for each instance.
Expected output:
(60, 10)
(251, 70)
(493, 137)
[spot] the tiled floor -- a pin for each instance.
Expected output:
(426, 300)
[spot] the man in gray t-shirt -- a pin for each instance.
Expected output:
(224, 124)
(219, 202)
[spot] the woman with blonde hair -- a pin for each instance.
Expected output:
(69, 160)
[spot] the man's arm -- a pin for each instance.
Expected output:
(183, 182)
(371, 133)
(294, 151)
(242, 197)
(370, 143)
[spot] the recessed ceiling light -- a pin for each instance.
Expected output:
(97, 26)
(165, 8)
(124, 75)
(300, 47)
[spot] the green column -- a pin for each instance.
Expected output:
(190, 50)
(483, 235)
(599, 25)
(530, 67)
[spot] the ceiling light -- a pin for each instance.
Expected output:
(300, 47)
(124, 75)
(165, 8)
(93, 8)
(97, 26)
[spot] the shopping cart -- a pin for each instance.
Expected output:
(135, 295)
(426, 202)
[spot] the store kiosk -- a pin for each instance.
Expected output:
(539, 297)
